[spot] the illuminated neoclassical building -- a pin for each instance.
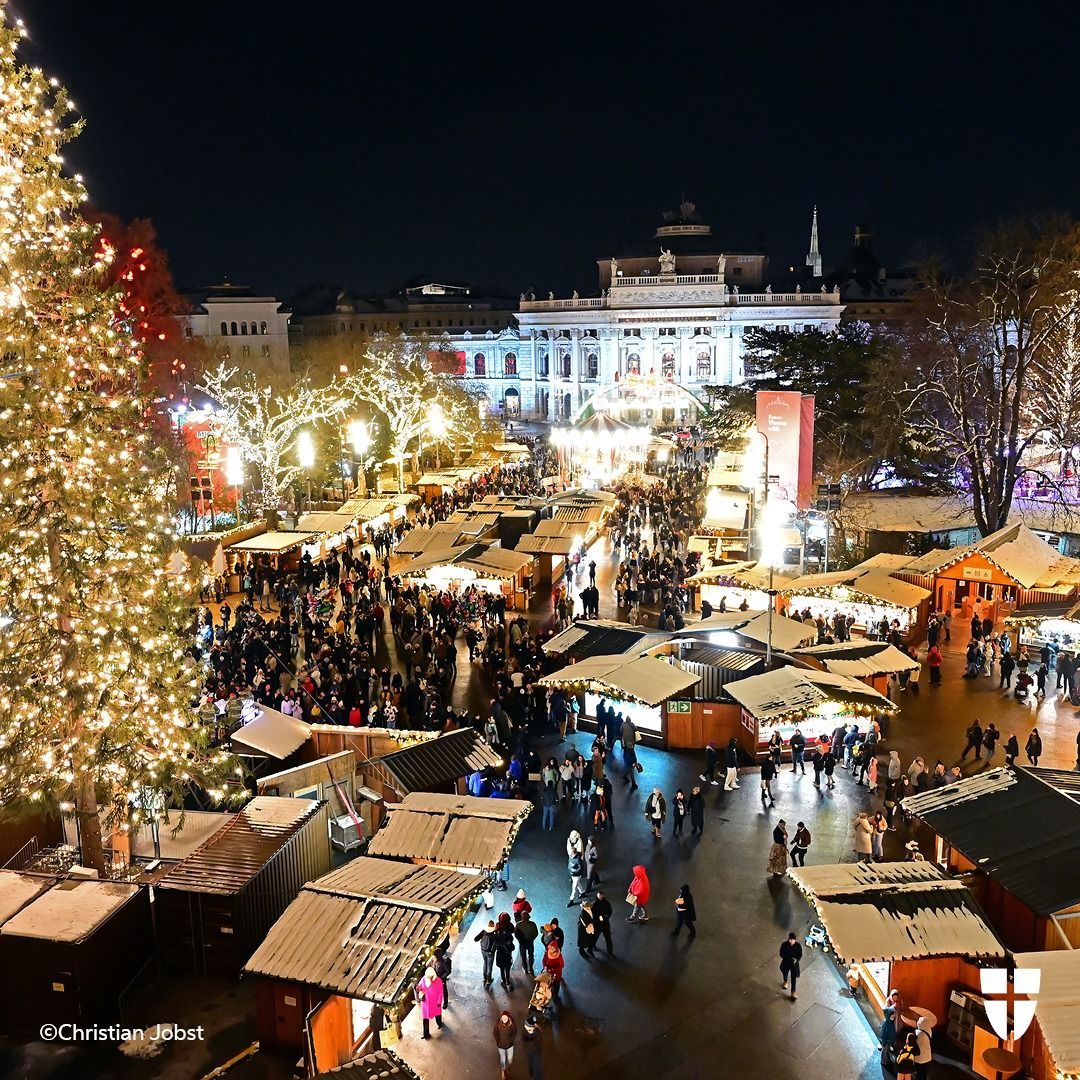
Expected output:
(667, 321)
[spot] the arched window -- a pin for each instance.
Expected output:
(262, 328)
(512, 403)
(592, 366)
(542, 364)
(667, 364)
(480, 365)
(243, 328)
(224, 329)
(233, 328)
(510, 364)
(568, 405)
(704, 364)
(633, 364)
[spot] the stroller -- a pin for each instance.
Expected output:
(816, 939)
(542, 1001)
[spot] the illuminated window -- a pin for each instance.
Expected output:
(542, 364)
(510, 364)
(512, 403)
(667, 365)
(633, 364)
(480, 365)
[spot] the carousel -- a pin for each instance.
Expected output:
(597, 451)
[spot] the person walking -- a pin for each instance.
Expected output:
(685, 913)
(797, 742)
(696, 806)
(487, 950)
(777, 865)
(790, 959)
(863, 831)
(586, 934)
(800, 844)
(731, 766)
(1012, 749)
(678, 812)
(602, 913)
(933, 662)
(709, 775)
(553, 963)
(592, 863)
(656, 812)
(526, 932)
(532, 1038)
(1033, 746)
(828, 766)
(974, 736)
(505, 1037)
(575, 866)
(504, 950)
(549, 801)
(637, 896)
(768, 774)
(429, 996)
(990, 741)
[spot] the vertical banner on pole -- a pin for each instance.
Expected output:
(806, 452)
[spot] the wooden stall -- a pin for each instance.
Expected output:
(436, 765)
(341, 961)
(871, 662)
(216, 905)
(1015, 834)
(68, 949)
(904, 925)
(812, 701)
(1051, 1048)
(378, 1065)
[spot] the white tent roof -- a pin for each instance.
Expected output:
(746, 575)
(273, 733)
(1058, 1013)
(789, 689)
(326, 522)
(647, 679)
(907, 919)
(860, 658)
(874, 581)
(726, 509)
(787, 633)
(274, 542)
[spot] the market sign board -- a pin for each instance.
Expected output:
(977, 573)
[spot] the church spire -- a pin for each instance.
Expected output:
(813, 259)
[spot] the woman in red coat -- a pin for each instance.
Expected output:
(554, 964)
(638, 896)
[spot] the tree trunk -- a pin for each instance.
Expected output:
(86, 812)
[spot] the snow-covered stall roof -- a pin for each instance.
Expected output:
(17, 890)
(786, 633)
(272, 733)
(897, 918)
(70, 911)
(860, 659)
(646, 679)
(790, 690)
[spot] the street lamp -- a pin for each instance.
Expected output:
(305, 455)
(436, 424)
(360, 437)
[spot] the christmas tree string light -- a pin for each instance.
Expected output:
(95, 696)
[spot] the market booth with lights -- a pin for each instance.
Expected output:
(871, 662)
(1051, 1048)
(642, 688)
(491, 569)
(866, 594)
(813, 701)
(335, 975)
(908, 925)
(600, 449)
(732, 584)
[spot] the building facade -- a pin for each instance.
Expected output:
(667, 323)
(240, 327)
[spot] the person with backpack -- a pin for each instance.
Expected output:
(904, 1062)
(800, 844)
(487, 950)
(924, 1053)
(990, 741)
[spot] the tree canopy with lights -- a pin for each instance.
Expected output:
(95, 695)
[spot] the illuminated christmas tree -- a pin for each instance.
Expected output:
(95, 697)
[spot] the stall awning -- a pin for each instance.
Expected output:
(647, 679)
(1058, 1011)
(274, 543)
(860, 659)
(788, 690)
(498, 562)
(326, 522)
(601, 637)
(916, 918)
(429, 888)
(786, 633)
(536, 544)
(272, 733)
(726, 509)
(872, 582)
(434, 763)
(740, 575)
(378, 1065)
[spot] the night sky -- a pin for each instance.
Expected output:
(285, 144)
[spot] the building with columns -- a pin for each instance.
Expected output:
(668, 320)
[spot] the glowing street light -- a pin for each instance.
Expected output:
(360, 437)
(305, 450)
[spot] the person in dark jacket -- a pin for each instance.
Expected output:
(505, 1036)
(487, 950)
(504, 949)
(1012, 749)
(443, 967)
(696, 807)
(709, 775)
(685, 913)
(526, 933)
(602, 912)
(768, 773)
(731, 766)
(532, 1038)
(550, 932)
(790, 957)
(586, 932)
(797, 742)
(1033, 746)
(974, 735)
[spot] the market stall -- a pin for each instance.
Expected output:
(638, 685)
(1051, 1049)
(340, 963)
(813, 701)
(492, 569)
(752, 629)
(729, 585)
(867, 595)
(282, 550)
(1054, 624)
(902, 924)
(872, 662)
